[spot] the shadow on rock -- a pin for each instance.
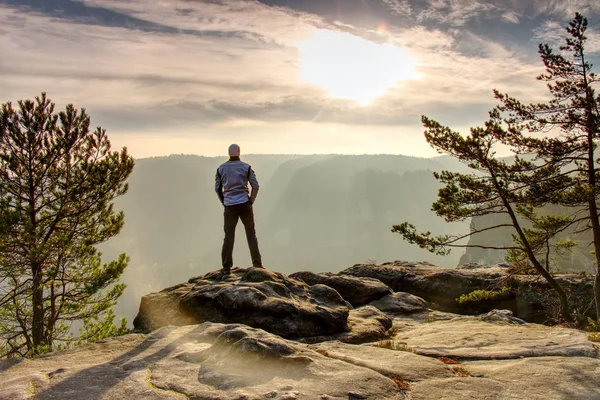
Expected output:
(244, 356)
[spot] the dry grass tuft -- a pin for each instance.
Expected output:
(402, 384)
(460, 371)
(393, 331)
(594, 337)
(392, 345)
(522, 267)
(448, 360)
(430, 319)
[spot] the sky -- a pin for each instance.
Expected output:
(280, 76)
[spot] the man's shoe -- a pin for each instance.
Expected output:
(226, 275)
(259, 266)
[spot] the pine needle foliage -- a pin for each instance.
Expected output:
(560, 168)
(58, 180)
(495, 186)
(563, 133)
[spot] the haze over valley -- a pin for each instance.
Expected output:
(318, 213)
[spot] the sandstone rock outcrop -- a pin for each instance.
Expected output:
(436, 285)
(457, 358)
(256, 297)
(206, 361)
(529, 297)
(400, 303)
(428, 354)
(357, 291)
(365, 324)
(471, 338)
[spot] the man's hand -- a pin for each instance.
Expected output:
(253, 195)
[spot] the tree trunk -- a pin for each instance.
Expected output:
(562, 295)
(37, 302)
(49, 333)
(596, 233)
(597, 294)
(592, 132)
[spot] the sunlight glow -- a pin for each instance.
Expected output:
(350, 67)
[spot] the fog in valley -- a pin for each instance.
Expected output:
(318, 213)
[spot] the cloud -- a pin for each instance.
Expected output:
(78, 12)
(227, 17)
(99, 58)
(554, 33)
(211, 67)
(127, 68)
(566, 9)
(456, 12)
(399, 7)
(511, 16)
(421, 38)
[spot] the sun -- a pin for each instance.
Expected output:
(353, 68)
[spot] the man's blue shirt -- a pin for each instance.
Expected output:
(232, 181)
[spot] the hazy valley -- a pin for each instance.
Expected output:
(318, 213)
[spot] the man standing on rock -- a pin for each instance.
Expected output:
(231, 185)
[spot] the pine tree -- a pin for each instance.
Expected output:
(495, 187)
(57, 183)
(570, 123)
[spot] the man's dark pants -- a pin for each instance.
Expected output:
(232, 215)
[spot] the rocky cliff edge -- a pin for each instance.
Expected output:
(262, 335)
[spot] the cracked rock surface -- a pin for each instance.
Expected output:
(440, 287)
(357, 291)
(206, 361)
(470, 338)
(288, 307)
(210, 345)
(446, 359)
(256, 297)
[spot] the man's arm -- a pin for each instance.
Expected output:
(219, 187)
(254, 183)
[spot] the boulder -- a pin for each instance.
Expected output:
(438, 286)
(505, 316)
(256, 297)
(500, 268)
(400, 303)
(535, 301)
(357, 291)
(365, 324)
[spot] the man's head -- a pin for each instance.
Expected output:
(234, 150)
